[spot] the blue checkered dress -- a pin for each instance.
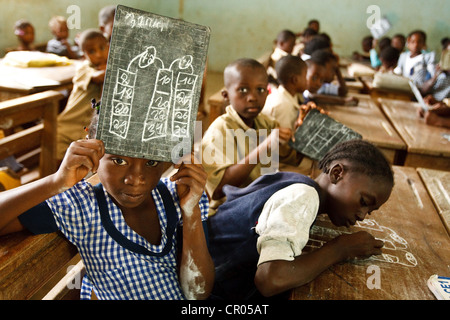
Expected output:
(114, 272)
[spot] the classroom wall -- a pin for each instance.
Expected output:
(247, 28)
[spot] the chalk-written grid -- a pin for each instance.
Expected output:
(152, 85)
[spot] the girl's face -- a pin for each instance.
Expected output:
(353, 195)
(128, 180)
(247, 92)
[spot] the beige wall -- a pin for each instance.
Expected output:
(246, 28)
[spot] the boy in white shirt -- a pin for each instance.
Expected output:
(283, 104)
(416, 59)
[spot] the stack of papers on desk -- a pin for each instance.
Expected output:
(34, 59)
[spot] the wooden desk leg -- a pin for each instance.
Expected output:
(47, 162)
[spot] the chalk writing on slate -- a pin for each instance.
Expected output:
(319, 133)
(152, 85)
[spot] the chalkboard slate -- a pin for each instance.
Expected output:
(319, 133)
(152, 85)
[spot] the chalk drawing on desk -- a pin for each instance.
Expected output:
(395, 249)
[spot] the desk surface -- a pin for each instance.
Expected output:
(369, 121)
(30, 80)
(437, 183)
(418, 136)
(416, 246)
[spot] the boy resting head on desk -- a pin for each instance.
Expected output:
(240, 144)
(258, 234)
(87, 85)
(127, 227)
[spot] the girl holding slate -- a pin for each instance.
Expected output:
(127, 229)
(257, 236)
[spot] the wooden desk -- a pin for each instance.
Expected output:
(369, 121)
(28, 261)
(16, 82)
(416, 247)
(438, 185)
(426, 146)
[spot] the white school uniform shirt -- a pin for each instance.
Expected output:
(282, 107)
(285, 220)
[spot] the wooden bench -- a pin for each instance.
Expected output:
(26, 144)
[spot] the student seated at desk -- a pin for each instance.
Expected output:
(284, 45)
(24, 31)
(398, 41)
(237, 144)
(106, 20)
(330, 93)
(135, 255)
(317, 43)
(366, 45)
(59, 44)
(438, 115)
(302, 39)
(416, 59)
(438, 87)
(283, 103)
(88, 82)
(257, 236)
(389, 59)
(375, 61)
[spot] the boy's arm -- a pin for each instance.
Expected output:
(274, 277)
(82, 157)
(237, 173)
(196, 265)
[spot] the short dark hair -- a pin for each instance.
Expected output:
(364, 156)
(420, 33)
(317, 43)
(285, 35)
(243, 62)
(384, 42)
(90, 34)
(390, 55)
(323, 56)
(287, 67)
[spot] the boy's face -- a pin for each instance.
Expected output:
(128, 180)
(329, 71)
(302, 83)
(416, 43)
(398, 43)
(314, 77)
(247, 91)
(96, 50)
(353, 196)
(288, 45)
(61, 31)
